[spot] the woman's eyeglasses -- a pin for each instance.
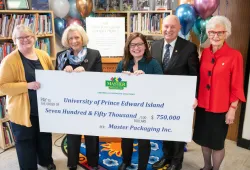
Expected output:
(24, 38)
(218, 33)
(139, 45)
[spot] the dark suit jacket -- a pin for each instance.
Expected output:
(92, 61)
(184, 60)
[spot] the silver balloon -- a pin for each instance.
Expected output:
(73, 12)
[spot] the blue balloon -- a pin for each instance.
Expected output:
(187, 16)
(60, 25)
(73, 12)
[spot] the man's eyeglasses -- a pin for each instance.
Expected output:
(139, 45)
(24, 38)
(218, 33)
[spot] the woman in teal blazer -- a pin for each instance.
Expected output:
(137, 60)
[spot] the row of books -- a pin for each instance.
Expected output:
(147, 23)
(8, 135)
(2, 107)
(41, 43)
(129, 5)
(5, 49)
(39, 24)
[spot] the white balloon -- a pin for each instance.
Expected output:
(60, 7)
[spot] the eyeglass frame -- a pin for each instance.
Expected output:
(28, 37)
(218, 33)
(139, 45)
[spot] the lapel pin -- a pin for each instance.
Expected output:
(85, 60)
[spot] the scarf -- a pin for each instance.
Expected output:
(69, 55)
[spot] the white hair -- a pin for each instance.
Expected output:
(74, 27)
(219, 20)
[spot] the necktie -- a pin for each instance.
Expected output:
(166, 56)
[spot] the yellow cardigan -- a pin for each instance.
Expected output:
(13, 84)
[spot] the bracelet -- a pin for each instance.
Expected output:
(234, 107)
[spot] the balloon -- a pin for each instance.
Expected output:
(187, 17)
(200, 28)
(74, 21)
(72, 10)
(187, 37)
(191, 2)
(60, 7)
(84, 7)
(60, 25)
(206, 8)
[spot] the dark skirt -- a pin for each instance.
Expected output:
(210, 129)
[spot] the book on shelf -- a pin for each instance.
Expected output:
(39, 24)
(113, 5)
(40, 5)
(2, 4)
(147, 23)
(43, 44)
(163, 4)
(8, 135)
(143, 5)
(2, 107)
(5, 49)
(101, 5)
(126, 5)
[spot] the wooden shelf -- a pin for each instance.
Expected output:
(2, 138)
(36, 12)
(111, 60)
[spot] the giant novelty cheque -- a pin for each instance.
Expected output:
(116, 104)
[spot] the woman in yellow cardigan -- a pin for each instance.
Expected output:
(18, 83)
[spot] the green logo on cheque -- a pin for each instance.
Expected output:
(116, 83)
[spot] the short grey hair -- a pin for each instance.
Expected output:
(219, 20)
(22, 28)
(74, 27)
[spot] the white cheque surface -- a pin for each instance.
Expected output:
(116, 105)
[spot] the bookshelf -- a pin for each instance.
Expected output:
(44, 29)
(40, 35)
(132, 18)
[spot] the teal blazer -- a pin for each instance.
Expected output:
(151, 67)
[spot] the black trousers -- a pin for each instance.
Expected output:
(32, 146)
(174, 151)
(92, 149)
(144, 152)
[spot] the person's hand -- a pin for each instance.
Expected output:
(126, 72)
(195, 103)
(68, 69)
(230, 116)
(79, 69)
(33, 85)
(138, 72)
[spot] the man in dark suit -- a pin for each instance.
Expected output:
(177, 57)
